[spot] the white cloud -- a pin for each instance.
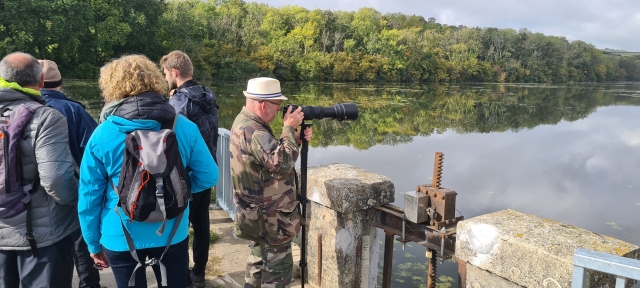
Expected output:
(631, 138)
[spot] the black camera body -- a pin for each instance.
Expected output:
(340, 111)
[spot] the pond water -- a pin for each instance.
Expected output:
(570, 153)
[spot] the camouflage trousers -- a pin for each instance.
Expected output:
(269, 266)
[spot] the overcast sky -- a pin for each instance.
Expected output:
(604, 23)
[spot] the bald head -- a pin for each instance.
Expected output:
(21, 68)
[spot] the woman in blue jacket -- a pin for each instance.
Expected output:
(133, 87)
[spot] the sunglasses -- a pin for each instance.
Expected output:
(274, 103)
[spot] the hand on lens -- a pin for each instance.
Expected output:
(293, 118)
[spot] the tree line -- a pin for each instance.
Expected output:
(236, 40)
(395, 114)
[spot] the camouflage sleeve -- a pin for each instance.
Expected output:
(277, 155)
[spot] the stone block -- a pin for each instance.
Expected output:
(345, 188)
(532, 251)
(341, 233)
(342, 198)
(478, 278)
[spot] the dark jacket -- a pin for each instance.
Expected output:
(79, 122)
(199, 105)
(44, 154)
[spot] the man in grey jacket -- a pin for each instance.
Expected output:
(44, 155)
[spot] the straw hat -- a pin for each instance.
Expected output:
(52, 78)
(264, 88)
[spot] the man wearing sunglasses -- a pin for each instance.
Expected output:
(264, 183)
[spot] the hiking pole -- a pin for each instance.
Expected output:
(303, 198)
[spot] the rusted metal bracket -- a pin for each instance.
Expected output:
(428, 220)
(432, 266)
(432, 204)
(390, 219)
(319, 272)
(388, 259)
(462, 274)
(356, 283)
(441, 209)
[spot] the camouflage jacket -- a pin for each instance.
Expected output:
(264, 187)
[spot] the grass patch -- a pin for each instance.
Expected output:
(213, 237)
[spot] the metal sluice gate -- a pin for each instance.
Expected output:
(428, 219)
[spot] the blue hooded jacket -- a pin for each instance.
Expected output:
(102, 161)
(79, 122)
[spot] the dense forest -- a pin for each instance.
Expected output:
(236, 40)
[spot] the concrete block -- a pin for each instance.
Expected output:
(345, 188)
(478, 278)
(532, 251)
(342, 198)
(340, 235)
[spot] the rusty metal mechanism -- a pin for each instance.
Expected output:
(428, 219)
(431, 280)
(437, 170)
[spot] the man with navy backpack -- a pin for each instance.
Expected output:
(36, 246)
(81, 126)
(198, 104)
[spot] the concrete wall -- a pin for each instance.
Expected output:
(531, 251)
(341, 209)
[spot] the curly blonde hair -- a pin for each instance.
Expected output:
(128, 76)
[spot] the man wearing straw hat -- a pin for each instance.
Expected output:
(265, 184)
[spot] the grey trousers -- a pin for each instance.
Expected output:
(53, 268)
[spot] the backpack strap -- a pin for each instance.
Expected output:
(29, 190)
(160, 199)
(165, 125)
(160, 190)
(31, 238)
(132, 247)
(175, 120)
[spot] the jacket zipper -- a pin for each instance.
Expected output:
(5, 144)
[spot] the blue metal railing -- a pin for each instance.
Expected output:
(621, 267)
(224, 188)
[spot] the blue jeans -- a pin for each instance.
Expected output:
(176, 260)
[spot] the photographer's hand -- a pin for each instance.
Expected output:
(307, 135)
(293, 118)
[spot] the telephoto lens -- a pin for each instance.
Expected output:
(340, 111)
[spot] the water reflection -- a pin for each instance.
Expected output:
(567, 153)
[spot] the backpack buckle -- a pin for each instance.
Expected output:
(29, 236)
(151, 262)
(160, 191)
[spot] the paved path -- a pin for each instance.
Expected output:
(226, 261)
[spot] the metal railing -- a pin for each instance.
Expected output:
(224, 188)
(621, 267)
